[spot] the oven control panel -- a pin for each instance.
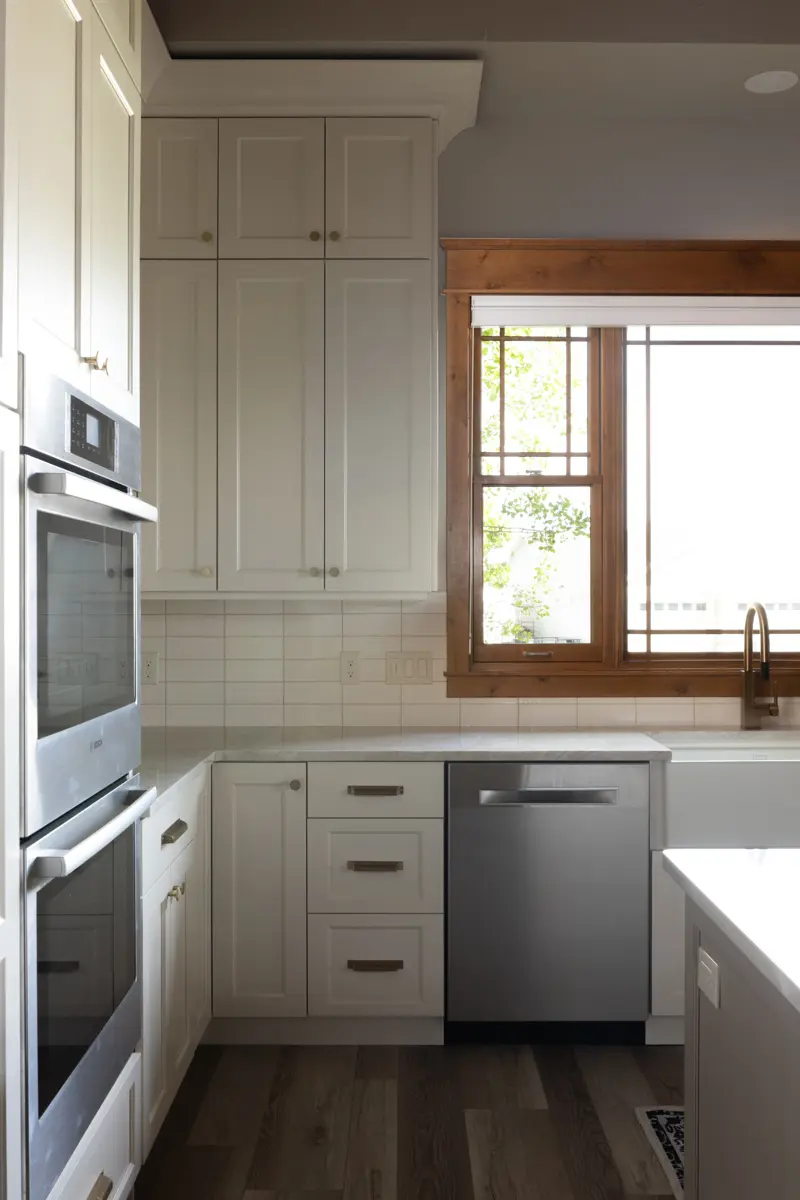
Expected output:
(92, 434)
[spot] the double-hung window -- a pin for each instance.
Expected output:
(622, 482)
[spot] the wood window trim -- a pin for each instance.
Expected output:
(584, 267)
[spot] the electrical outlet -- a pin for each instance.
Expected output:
(123, 670)
(409, 666)
(150, 666)
(351, 670)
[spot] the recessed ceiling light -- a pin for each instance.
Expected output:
(768, 82)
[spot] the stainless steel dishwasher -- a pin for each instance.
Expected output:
(548, 909)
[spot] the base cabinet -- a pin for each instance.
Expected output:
(666, 947)
(109, 1156)
(259, 897)
(176, 974)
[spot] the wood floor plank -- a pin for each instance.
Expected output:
(302, 1143)
(514, 1155)
(371, 1172)
(196, 1171)
(497, 1077)
(259, 1195)
(376, 1062)
(662, 1067)
(617, 1087)
(236, 1098)
(584, 1147)
(432, 1153)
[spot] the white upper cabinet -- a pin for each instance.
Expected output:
(259, 899)
(379, 427)
(111, 301)
(123, 20)
(179, 424)
(379, 200)
(271, 426)
(179, 188)
(271, 188)
(56, 81)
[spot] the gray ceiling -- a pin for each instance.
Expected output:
(194, 25)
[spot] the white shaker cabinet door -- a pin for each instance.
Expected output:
(379, 198)
(55, 83)
(111, 308)
(259, 898)
(271, 187)
(156, 1095)
(179, 188)
(271, 426)
(179, 425)
(379, 427)
(123, 20)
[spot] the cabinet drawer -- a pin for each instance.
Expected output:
(376, 789)
(372, 966)
(375, 866)
(109, 1155)
(169, 828)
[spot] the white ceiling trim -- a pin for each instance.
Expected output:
(621, 311)
(444, 90)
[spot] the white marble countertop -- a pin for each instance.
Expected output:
(753, 896)
(169, 754)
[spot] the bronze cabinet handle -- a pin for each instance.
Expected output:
(366, 789)
(174, 834)
(375, 964)
(374, 865)
(206, 236)
(102, 1189)
(334, 236)
(314, 235)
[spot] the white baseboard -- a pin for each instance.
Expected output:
(664, 1031)
(325, 1031)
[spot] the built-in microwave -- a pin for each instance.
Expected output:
(81, 599)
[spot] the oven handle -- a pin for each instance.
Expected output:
(54, 864)
(60, 483)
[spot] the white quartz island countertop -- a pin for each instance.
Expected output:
(753, 896)
(169, 754)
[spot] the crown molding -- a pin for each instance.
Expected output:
(445, 90)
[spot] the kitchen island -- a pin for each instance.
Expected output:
(742, 1022)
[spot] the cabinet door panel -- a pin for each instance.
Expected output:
(271, 426)
(111, 327)
(55, 81)
(379, 427)
(179, 188)
(123, 20)
(271, 188)
(179, 424)
(379, 197)
(155, 1066)
(259, 899)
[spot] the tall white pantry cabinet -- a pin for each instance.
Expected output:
(288, 401)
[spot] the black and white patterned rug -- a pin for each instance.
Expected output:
(663, 1128)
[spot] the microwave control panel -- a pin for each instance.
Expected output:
(92, 434)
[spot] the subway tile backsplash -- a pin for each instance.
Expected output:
(268, 662)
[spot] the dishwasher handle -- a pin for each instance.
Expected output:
(526, 797)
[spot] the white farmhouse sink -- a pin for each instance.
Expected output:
(737, 789)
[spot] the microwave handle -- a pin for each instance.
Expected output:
(60, 483)
(55, 864)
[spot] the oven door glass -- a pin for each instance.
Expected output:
(86, 958)
(86, 621)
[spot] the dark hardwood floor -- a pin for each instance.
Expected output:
(415, 1123)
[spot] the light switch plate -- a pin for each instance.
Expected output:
(409, 666)
(708, 976)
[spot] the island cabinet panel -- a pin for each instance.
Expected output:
(742, 1076)
(259, 896)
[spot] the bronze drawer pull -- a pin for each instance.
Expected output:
(375, 964)
(376, 865)
(102, 1189)
(358, 789)
(175, 832)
